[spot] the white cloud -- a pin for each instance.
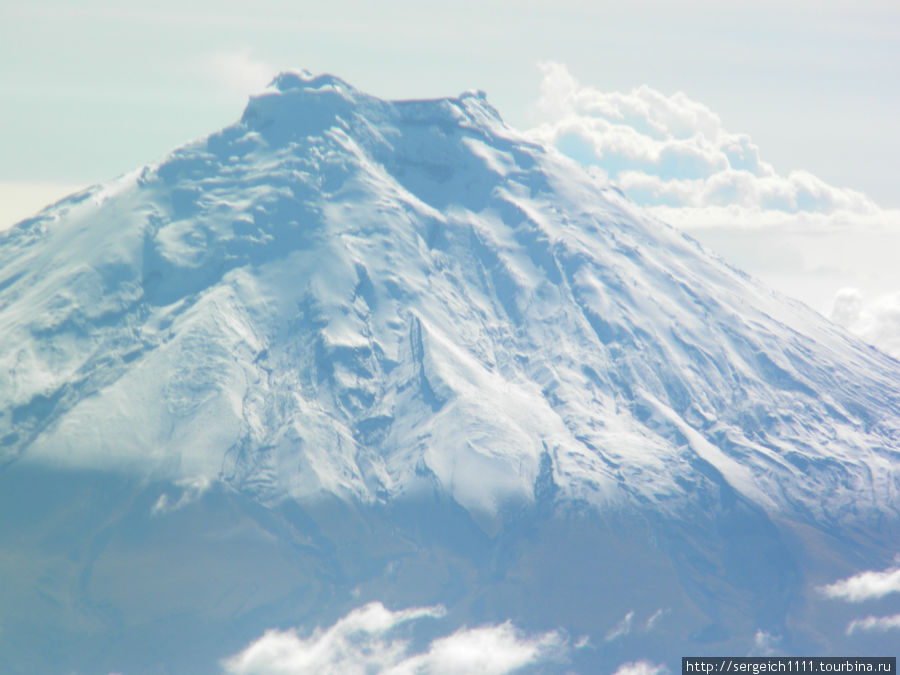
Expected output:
(765, 643)
(354, 643)
(191, 490)
(874, 623)
(368, 640)
(621, 629)
(672, 151)
(237, 72)
(489, 650)
(640, 668)
(875, 319)
(654, 619)
(626, 625)
(865, 586)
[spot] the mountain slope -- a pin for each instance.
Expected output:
(343, 293)
(391, 302)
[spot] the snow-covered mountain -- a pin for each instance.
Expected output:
(360, 350)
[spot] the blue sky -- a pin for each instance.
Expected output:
(91, 90)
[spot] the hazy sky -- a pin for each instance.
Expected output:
(93, 89)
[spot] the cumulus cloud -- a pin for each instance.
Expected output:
(794, 231)
(672, 151)
(491, 649)
(879, 624)
(640, 668)
(369, 639)
(867, 585)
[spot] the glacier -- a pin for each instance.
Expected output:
(349, 350)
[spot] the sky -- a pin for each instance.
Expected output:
(806, 90)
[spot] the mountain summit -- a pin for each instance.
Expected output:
(413, 314)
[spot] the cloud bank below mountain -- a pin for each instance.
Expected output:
(373, 636)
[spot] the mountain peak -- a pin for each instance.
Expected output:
(300, 103)
(364, 297)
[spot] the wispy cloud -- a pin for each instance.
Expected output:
(865, 586)
(650, 624)
(621, 629)
(191, 490)
(876, 319)
(369, 639)
(237, 71)
(880, 624)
